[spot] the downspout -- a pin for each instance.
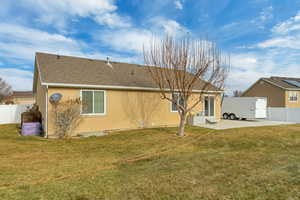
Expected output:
(46, 125)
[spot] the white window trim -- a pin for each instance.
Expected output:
(93, 114)
(214, 105)
(294, 101)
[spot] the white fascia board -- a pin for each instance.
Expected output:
(115, 87)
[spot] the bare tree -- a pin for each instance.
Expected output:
(237, 93)
(180, 66)
(5, 90)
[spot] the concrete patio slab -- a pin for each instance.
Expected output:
(227, 124)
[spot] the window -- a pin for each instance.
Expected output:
(93, 102)
(209, 106)
(293, 96)
(179, 101)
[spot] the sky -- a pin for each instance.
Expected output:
(262, 37)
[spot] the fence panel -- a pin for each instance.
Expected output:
(284, 114)
(11, 114)
(293, 115)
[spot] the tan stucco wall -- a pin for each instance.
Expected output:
(24, 100)
(292, 104)
(40, 99)
(125, 110)
(275, 95)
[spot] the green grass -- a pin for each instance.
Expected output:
(247, 163)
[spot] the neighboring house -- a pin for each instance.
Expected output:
(280, 91)
(116, 95)
(22, 97)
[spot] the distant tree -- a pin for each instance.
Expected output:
(177, 66)
(5, 90)
(237, 93)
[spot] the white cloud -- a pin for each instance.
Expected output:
(244, 61)
(178, 4)
(22, 42)
(241, 80)
(112, 20)
(292, 42)
(133, 39)
(276, 56)
(284, 35)
(292, 24)
(128, 40)
(18, 79)
(57, 12)
(230, 26)
(19, 43)
(168, 26)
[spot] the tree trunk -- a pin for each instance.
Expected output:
(182, 124)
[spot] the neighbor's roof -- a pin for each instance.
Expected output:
(281, 82)
(66, 71)
(22, 94)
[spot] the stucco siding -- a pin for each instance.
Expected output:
(275, 95)
(125, 110)
(40, 99)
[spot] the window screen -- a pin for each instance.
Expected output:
(99, 102)
(93, 102)
(87, 102)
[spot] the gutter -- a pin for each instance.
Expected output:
(115, 87)
(46, 120)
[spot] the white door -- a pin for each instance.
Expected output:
(261, 108)
(209, 106)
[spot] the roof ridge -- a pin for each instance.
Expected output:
(86, 58)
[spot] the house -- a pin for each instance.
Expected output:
(117, 95)
(22, 97)
(280, 91)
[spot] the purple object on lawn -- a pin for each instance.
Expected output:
(31, 128)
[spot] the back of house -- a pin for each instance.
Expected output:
(115, 95)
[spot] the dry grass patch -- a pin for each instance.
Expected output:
(246, 163)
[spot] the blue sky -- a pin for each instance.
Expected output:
(262, 36)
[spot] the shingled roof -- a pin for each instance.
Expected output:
(22, 94)
(67, 71)
(282, 82)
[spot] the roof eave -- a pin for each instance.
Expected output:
(296, 89)
(117, 87)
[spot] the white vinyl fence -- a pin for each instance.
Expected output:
(11, 114)
(284, 114)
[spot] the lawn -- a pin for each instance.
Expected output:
(246, 163)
